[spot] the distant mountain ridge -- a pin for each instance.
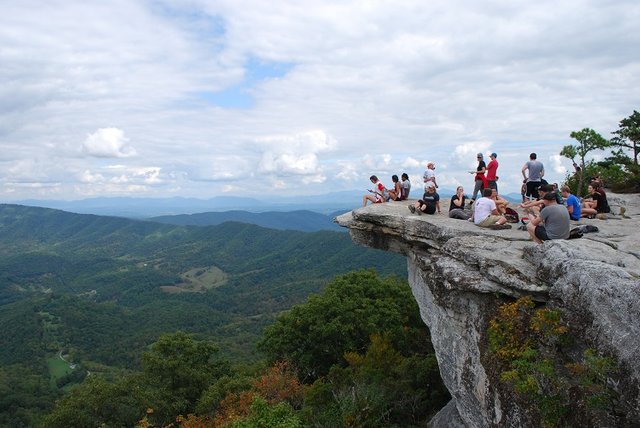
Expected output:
(154, 207)
(302, 220)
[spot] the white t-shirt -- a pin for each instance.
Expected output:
(482, 209)
(429, 175)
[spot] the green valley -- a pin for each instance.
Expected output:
(102, 289)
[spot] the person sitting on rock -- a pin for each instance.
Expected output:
(573, 204)
(533, 208)
(596, 205)
(396, 193)
(378, 195)
(457, 205)
(501, 203)
(429, 203)
(486, 214)
(406, 186)
(552, 223)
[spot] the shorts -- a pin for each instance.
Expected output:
(431, 208)
(532, 189)
(490, 220)
(541, 233)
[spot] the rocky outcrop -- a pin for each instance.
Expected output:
(460, 273)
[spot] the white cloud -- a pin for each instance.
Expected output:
(369, 88)
(107, 143)
(556, 164)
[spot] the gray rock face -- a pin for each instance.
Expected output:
(460, 273)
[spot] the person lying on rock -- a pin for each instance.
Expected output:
(430, 201)
(486, 214)
(552, 223)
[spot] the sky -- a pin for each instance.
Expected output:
(200, 98)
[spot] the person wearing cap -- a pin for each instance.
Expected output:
(429, 203)
(535, 169)
(552, 223)
(492, 171)
(430, 174)
(480, 180)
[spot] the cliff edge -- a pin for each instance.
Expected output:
(460, 274)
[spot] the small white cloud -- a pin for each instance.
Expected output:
(348, 171)
(410, 162)
(295, 154)
(556, 163)
(89, 177)
(108, 143)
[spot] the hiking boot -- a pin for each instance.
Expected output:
(412, 209)
(500, 226)
(419, 211)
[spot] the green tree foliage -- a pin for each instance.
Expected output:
(24, 396)
(628, 135)
(378, 389)
(182, 367)
(315, 336)
(533, 348)
(264, 415)
(588, 141)
(177, 369)
(628, 169)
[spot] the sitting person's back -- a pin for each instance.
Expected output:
(552, 223)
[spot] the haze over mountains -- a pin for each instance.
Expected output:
(328, 204)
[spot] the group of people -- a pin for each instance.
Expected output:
(380, 193)
(549, 209)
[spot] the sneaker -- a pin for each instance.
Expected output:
(419, 211)
(500, 226)
(412, 209)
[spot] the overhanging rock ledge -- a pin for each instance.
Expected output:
(460, 273)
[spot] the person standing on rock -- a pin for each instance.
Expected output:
(430, 174)
(480, 181)
(535, 169)
(552, 223)
(492, 172)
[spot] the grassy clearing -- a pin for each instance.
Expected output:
(198, 280)
(57, 369)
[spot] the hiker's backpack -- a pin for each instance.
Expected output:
(511, 215)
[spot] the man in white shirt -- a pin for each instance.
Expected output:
(486, 214)
(430, 174)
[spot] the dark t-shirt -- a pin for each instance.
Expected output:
(430, 200)
(453, 206)
(481, 166)
(603, 205)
